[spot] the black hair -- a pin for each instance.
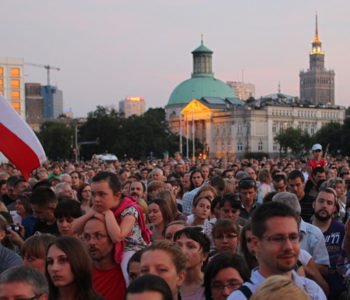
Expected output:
(136, 257)
(217, 182)
(318, 170)
(196, 234)
(148, 283)
(222, 261)
(68, 208)
(43, 196)
(296, 174)
(268, 211)
(111, 178)
(233, 199)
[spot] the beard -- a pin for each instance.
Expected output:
(321, 217)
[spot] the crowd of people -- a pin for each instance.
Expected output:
(177, 229)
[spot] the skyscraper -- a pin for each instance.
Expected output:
(132, 106)
(317, 83)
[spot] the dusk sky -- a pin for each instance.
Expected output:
(109, 49)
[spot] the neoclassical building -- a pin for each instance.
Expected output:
(205, 108)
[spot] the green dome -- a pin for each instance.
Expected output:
(198, 87)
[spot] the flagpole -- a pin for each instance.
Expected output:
(193, 137)
(187, 135)
(180, 133)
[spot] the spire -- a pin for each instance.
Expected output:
(316, 39)
(202, 39)
(279, 87)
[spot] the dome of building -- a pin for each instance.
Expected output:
(202, 82)
(199, 87)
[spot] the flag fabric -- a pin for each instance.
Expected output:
(18, 141)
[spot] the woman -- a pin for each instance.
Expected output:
(225, 273)
(149, 287)
(246, 246)
(195, 245)
(76, 180)
(265, 186)
(84, 196)
(68, 270)
(159, 215)
(171, 200)
(172, 228)
(165, 259)
(226, 236)
(24, 210)
(66, 212)
(34, 251)
(196, 179)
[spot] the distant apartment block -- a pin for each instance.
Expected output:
(34, 104)
(242, 90)
(132, 106)
(12, 82)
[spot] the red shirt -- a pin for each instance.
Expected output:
(314, 164)
(109, 284)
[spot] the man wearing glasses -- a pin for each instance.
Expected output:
(276, 244)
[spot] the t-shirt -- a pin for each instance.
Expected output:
(46, 228)
(307, 209)
(314, 164)
(8, 259)
(109, 284)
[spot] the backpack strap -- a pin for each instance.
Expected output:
(245, 291)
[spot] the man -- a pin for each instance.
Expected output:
(275, 242)
(247, 191)
(23, 283)
(138, 189)
(43, 202)
(317, 160)
(107, 276)
(333, 231)
(296, 185)
(312, 239)
(279, 183)
(313, 183)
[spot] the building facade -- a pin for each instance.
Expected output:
(317, 83)
(242, 90)
(52, 101)
(12, 83)
(34, 105)
(229, 130)
(132, 106)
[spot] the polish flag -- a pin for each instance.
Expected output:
(18, 141)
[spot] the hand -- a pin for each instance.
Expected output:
(99, 216)
(15, 238)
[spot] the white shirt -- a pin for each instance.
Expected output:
(309, 286)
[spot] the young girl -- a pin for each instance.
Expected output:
(123, 217)
(201, 213)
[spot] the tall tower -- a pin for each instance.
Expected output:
(317, 83)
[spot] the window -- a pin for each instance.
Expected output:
(15, 95)
(16, 105)
(15, 83)
(1, 92)
(1, 72)
(275, 147)
(15, 72)
(260, 146)
(1, 83)
(239, 147)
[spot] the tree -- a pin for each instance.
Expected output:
(331, 137)
(56, 139)
(294, 139)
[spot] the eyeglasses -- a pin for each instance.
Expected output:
(231, 285)
(96, 236)
(317, 150)
(280, 240)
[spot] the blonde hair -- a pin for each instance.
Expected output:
(279, 287)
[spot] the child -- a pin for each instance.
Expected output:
(123, 217)
(201, 213)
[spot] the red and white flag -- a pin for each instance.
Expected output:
(18, 141)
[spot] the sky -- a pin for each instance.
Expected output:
(109, 49)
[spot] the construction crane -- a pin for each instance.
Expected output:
(47, 67)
